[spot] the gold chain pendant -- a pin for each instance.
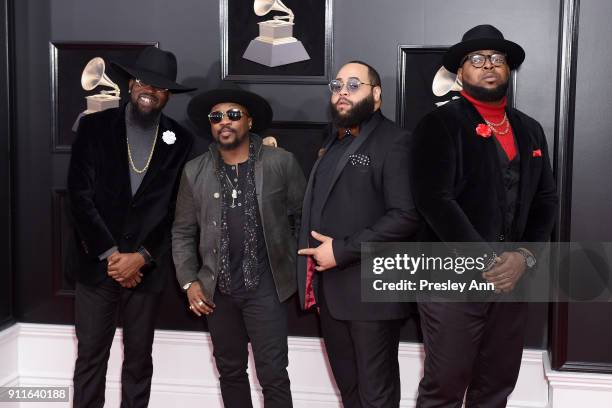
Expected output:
(150, 153)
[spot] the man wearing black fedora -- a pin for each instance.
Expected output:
(234, 242)
(482, 174)
(122, 183)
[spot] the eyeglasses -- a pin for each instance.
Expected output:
(352, 85)
(478, 60)
(232, 114)
(143, 85)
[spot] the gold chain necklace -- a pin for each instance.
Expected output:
(150, 153)
(493, 126)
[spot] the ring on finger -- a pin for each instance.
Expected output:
(200, 303)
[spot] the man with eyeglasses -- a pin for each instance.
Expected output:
(482, 174)
(234, 242)
(122, 183)
(357, 192)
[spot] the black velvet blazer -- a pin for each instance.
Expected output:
(104, 212)
(457, 179)
(369, 200)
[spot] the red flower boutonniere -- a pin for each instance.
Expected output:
(483, 130)
(537, 153)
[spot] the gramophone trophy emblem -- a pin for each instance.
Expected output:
(94, 76)
(275, 44)
(445, 82)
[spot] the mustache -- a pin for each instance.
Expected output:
(344, 100)
(487, 74)
(226, 127)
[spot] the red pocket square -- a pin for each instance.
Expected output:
(537, 153)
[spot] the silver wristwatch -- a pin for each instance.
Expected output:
(530, 260)
(187, 285)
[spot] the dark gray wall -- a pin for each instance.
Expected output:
(588, 325)
(368, 30)
(6, 271)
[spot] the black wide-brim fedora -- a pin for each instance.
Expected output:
(258, 108)
(155, 67)
(483, 37)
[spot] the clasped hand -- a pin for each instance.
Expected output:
(125, 268)
(508, 269)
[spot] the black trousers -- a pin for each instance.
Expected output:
(260, 318)
(363, 359)
(97, 309)
(472, 350)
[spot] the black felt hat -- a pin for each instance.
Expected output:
(483, 37)
(259, 109)
(155, 67)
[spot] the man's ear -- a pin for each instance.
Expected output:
(460, 75)
(377, 93)
(250, 123)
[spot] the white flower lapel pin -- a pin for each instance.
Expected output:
(169, 137)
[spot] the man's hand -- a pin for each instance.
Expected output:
(198, 303)
(323, 255)
(125, 268)
(506, 272)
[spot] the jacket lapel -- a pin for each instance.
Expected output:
(363, 135)
(122, 168)
(487, 152)
(303, 241)
(521, 135)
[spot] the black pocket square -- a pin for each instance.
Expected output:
(359, 160)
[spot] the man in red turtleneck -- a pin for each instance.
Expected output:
(481, 174)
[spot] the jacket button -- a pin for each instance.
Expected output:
(128, 236)
(502, 237)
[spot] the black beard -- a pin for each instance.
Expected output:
(359, 112)
(232, 145)
(144, 119)
(484, 94)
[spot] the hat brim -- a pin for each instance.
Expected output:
(259, 109)
(152, 78)
(514, 52)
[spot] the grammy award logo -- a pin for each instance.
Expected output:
(94, 76)
(445, 82)
(275, 45)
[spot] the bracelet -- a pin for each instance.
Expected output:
(491, 263)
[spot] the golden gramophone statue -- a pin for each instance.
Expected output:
(94, 76)
(445, 82)
(275, 44)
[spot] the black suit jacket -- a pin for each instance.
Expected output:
(365, 203)
(457, 179)
(104, 212)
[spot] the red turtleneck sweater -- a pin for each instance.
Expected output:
(494, 113)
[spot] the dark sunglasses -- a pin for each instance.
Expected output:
(232, 114)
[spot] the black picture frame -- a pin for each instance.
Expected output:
(303, 139)
(416, 67)
(313, 27)
(67, 61)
